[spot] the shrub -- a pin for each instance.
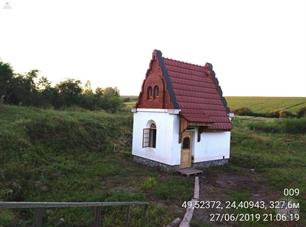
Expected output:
(286, 114)
(126, 99)
(301, 112)
(274, 114)
(243, 112)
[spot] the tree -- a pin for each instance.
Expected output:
(99, 91)
(43, 84)
(50, 96)
(6, 76)
(112, 92)
(87, 88)
(23, 89)
(32, 90)
(69, 87)
(69, 91)
(30, 79)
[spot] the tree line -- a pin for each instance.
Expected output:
(30, 89)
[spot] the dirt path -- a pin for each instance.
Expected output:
(232, 186)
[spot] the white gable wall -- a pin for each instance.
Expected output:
(167, 147)
(212, 146)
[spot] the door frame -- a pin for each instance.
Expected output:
(185, 134)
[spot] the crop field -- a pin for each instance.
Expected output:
(257, 104)
(266, 104)
(130, 104)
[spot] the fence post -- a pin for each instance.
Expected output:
(97, 217)
(128, 217)
(145, 215)
(38, 217)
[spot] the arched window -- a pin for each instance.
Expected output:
(156, 91)
(149, 136)
(150, 92)
(186, 143)
(153, 135)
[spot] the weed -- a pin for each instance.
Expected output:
(149, 183)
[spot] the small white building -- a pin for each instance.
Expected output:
(181, 118)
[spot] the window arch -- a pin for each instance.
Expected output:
(156, 91)
(149, 92)
(149, 136)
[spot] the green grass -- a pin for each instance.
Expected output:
(280, 157)
(266, 104)
(48, 155)
(280, 126)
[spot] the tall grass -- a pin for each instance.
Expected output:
(48, 155)
(280, 126)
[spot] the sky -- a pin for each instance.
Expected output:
(257, 47)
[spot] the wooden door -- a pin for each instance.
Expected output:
(186, 151)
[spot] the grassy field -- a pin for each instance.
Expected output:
(258, 104)
(48, 155)
(281, 157)
(266, 104)
(262, 164)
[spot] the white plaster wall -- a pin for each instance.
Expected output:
(176, 146)
(212, 146)
(167, 147)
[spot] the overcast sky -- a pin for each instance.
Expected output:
(257, 47)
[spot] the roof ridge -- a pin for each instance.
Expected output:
(167, 78)
(171, 59)
(216, 82)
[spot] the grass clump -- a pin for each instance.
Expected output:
(172, 188)
(149, 182)
(6, 217)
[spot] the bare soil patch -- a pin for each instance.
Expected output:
(224, 186)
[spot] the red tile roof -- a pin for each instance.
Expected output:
(196, 92)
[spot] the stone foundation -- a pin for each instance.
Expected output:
(159, 165)
(206, 164)
(168, 168)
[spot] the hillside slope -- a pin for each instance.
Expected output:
(48, 155)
